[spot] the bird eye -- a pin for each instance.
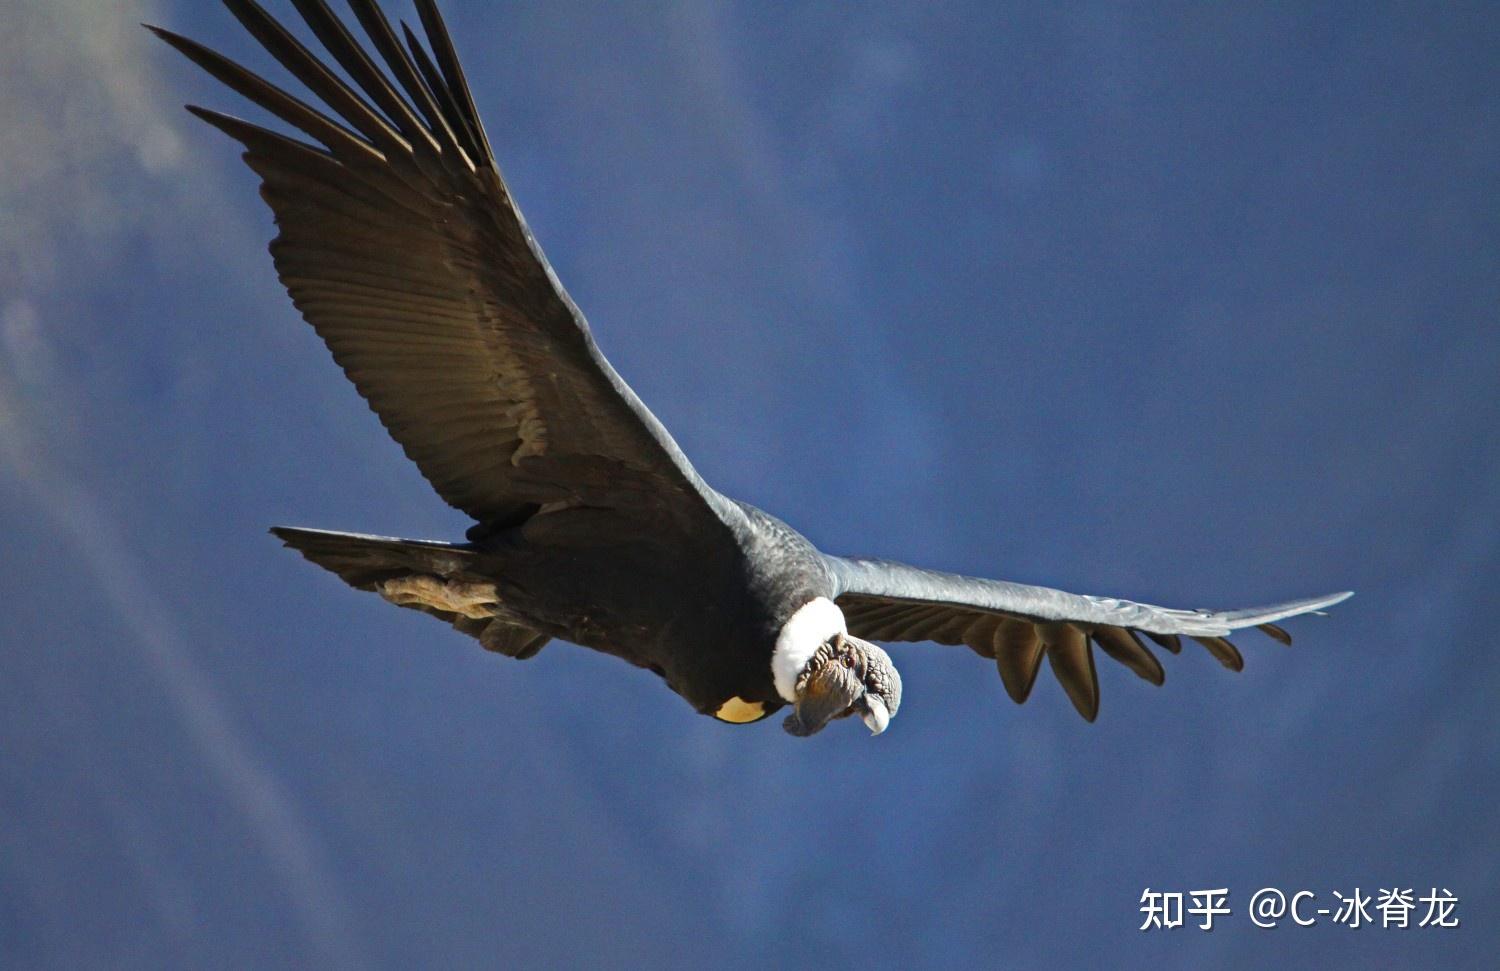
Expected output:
(849, 662)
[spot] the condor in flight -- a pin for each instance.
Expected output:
(400, 244)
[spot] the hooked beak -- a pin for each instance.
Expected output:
(829, 693)
(874, 713)
(846, 676)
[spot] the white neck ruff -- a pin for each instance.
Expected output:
(804, 632)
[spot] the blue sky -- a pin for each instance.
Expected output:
(1191, 304)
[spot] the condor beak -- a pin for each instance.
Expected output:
(847, 676)
(829, 693)
(874, 713)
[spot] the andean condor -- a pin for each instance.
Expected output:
(400, 244)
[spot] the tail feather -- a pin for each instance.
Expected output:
(363, 561)
(367, 562)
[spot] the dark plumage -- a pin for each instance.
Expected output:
(401, 246)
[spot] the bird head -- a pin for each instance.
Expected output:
(845, 676)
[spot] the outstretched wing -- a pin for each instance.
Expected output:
(401, 245)
(1017, 625)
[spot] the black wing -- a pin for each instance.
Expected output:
(1018, 624)
(402, 247)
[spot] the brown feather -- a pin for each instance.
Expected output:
(1018, 656)
(1224, 652)
(1170, 642)
(1072, 661)
(1275, 633)
(1122, 645)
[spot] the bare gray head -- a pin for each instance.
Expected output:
(845, 676)
(827, 673)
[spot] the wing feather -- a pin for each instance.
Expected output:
(1018, 656)
(402, 247)
(1072, 660)
(1124, 646)
(1018, 625)
(1172, 642)
(1223, 651)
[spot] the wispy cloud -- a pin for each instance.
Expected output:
(87, 139)
(93, 160)
(119, 574)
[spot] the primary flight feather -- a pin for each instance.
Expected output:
(400, 244)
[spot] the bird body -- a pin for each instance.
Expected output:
(401, 245)
(704, 613)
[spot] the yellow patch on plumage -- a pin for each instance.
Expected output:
(738, 711)
(473, 600)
